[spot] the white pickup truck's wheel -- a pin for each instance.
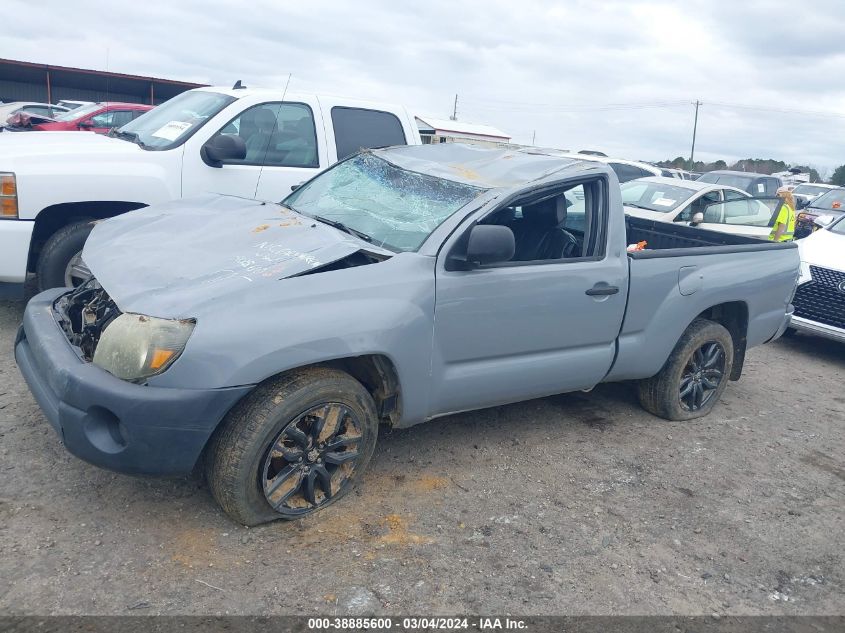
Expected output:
(293, 446)
(695, 375)
(60, 262)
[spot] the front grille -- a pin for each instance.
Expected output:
(83, 314)
(822, 300)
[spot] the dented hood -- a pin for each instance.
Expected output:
(174, 260)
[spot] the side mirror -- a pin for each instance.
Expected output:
(697, 219)
(490, 244)
(800, 203)
(823, 221)
(222, 147)
(85, 125)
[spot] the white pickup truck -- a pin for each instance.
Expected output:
(238, 141)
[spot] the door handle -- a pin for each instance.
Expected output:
(601, 290)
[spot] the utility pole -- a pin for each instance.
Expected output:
(454, 116)
(533, 136)
(694, 128)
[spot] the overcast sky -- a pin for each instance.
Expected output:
(615, 76)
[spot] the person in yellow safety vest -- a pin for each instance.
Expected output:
(784, 227)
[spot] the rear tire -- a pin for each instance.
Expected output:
(60, 249)
(273, 459)
(694, 376)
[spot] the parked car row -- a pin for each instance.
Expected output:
(93, 117)
(43, 110)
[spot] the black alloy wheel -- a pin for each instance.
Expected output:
(312, 459)
(702, 376)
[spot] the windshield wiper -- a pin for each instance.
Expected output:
(342, 227)
(636, 206)
(126, 136)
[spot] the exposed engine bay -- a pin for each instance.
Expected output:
(83, 314)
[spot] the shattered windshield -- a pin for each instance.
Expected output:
(394, 208)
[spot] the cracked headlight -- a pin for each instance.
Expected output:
(134, 346)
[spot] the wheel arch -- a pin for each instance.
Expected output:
(733, 316)
(379, 376)
(52, 218)
(376, 372)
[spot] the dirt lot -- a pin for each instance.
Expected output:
(572, 504)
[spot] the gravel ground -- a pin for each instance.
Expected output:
(575, 504)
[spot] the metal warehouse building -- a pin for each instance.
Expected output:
(26, 81)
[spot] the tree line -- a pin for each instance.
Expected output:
(758, 165)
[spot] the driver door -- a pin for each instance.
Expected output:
(524, 329)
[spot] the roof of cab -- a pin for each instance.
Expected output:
(279, 93)
(484, 167)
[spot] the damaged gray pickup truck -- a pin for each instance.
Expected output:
(266, 342)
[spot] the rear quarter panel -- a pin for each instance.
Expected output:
(658, 313)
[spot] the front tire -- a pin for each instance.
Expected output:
(60, 262)
(293, 446)
(695, 375)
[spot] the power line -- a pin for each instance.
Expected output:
(534, 103)
(522, 106)
(741, 106)
(528, 107)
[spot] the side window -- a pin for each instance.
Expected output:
(38, 110)
(121, 117)
(104, 119)
(746, 211)
(626, 172)
(699, 205)
(758, 187)
(555, 225)
(276, 135)
(356, 129)
(730, 194)
(771, 186)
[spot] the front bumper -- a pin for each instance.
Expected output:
(819, 329)
(109, 422)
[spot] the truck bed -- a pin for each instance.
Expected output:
(665, 239)
(683, 273)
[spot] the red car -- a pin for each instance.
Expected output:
(97, 117)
